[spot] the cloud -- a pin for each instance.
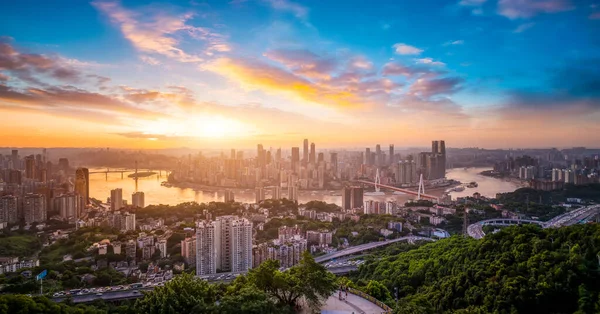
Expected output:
(304, 62)
(515, 9)
(100, 80)
(297, 10)
(396, 68)
(158, 32)
(404, 49)
(455, 42)
(256, 74)
(595, 16)
(149, 60)
(432, 87)
(472, 2)
(32, 68)
(430, 62)
(523, 27)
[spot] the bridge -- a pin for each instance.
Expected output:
(367, 246)
(393, 188)
(567, 219)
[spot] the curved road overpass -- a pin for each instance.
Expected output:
(367, 246)
(567, 219)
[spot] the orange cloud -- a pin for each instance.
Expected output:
(269, 78)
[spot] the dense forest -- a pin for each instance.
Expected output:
(517, 270)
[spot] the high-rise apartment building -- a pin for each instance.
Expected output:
(188, 250)
(241, 259)
(68, 205)
(138, 200)
(228, 196)
(224, 244)
(116, 199)
(34, 208)
(260, 195)
(275, 192)
(292, 193)
(9, 209)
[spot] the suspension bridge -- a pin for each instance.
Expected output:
(420, 193)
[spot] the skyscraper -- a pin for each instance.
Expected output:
(391, 157)
(292, 192)
(30, 172)
(82, 184)
(296, 159)
(367, 160)
(347, 198)
(312, 156)
(232, 244)
(116, 199)
(241, 242)
(138, 200)
(333, 160)
(357, 197)
(305, 152)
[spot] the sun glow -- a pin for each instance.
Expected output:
(197, 126)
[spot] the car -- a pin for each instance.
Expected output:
(99, 294)
(56, 295)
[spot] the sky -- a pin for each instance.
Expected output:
(219, 74)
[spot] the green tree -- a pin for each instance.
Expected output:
(249, 300)
(308, 280)
(183, 294)
(377, 290)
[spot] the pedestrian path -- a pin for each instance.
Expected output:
(351, 304)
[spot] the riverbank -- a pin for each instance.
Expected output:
(504, 177)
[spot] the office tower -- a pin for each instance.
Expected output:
(9, 209)
(260, 195)
(391, 158)
(320, 157)
(34, 208)
(347, 198)
(333, 160)
(30, 170)
(188, 250)
(239, 155)
(116, 199)
(260, 157)
(82, 184)
(138, 199)
(16, 165)
(296, 159)
(278, 155)
(68, 205)
(439, 148)
(312, 154)
(229, 197)
(378, 155)
(276, 192)
(232, 154)
(367, 160)
(292, 193)
(357, 197)
(305, 152)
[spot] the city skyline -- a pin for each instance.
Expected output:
(219, 74)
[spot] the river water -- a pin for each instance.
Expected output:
(100, 187)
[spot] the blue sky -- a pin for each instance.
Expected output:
(157, 74)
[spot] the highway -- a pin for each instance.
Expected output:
(567, 219)
(367, 246)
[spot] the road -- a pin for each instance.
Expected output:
(567, 219)
(367, 246)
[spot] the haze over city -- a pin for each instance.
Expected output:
(220, 74)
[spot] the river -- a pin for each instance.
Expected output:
(100, 187)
